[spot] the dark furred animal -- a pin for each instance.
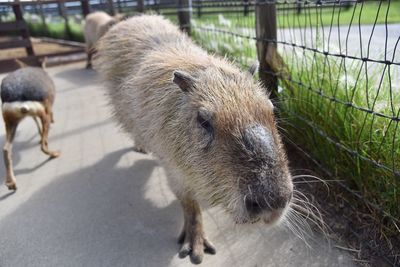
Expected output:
(211, 125)
(26, 92)
(27, 84)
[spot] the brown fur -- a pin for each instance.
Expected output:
(13, 115)
(210, 124)
(96, 25)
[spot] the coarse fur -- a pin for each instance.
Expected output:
(96, 25)
(28, 91)
(211, 125)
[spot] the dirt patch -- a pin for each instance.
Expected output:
(350, 222)
(39, 47)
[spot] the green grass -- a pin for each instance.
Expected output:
(237, 49)
(309, 118)
(57, 30)
(360, 13)
(308, 115)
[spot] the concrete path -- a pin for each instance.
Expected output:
(101, 204)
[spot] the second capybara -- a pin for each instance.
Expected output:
(96, 25)
(210, 124)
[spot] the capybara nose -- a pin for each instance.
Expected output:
(280, 201)
(256, 206)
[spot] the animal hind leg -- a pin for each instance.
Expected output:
(11, 128)
(89, 53)
(45, 119)
(37, 125)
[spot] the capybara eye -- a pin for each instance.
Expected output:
(204, 123)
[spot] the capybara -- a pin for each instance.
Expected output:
(210, 124)
(28, 91)
(96, 25)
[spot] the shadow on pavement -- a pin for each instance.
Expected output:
(30, 170)
(96, 216)
(81, 77)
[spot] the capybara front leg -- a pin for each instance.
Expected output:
(89, 53)
(192, 238)
(45, 119)
(11, 128)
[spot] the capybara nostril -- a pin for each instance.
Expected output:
(257, 203)
(253, 207)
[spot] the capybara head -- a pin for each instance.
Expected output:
(236, 157)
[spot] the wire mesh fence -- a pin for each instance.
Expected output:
(338, 71)
(334, 70)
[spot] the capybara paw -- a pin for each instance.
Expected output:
(54, 154)
(195, 245)
(12, 185)
(139, 150)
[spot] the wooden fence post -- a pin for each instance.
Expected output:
(43, 17)
(140, 6)
(298, 6)
(111, 7)
(266, 34)
(199, 6)
(246, 7)
(85, 8)
(185, 15)
(63, 13)
(119, 6)
(24, 32)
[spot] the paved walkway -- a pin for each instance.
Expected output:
(101, 204)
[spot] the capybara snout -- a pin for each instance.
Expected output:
(269, 187)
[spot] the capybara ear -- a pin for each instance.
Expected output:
(253, 68)
(184, 80)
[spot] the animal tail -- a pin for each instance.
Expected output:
(43, 63)
(20, 63)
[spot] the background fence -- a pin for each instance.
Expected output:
(333, 69)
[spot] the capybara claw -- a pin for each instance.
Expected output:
(209, 247)
(184, 251)
(139, 150)
(54, 154)
(196, 248)
(11, 186)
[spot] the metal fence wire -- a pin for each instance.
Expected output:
(333, 68)
(337, 67)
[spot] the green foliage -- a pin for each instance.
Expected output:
(363, 13)
(58, 30)
(320, 110)
(319, 119)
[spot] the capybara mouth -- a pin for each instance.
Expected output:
(273, 217)
(247, 220)
(268, 218)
